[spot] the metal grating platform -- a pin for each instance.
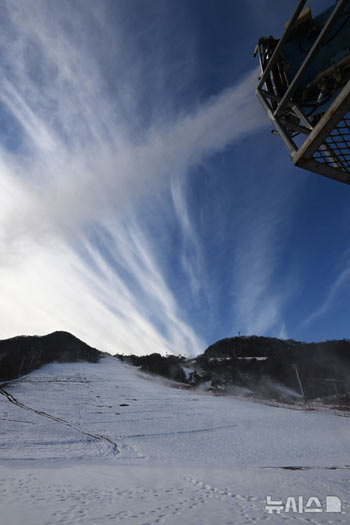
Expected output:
(335, 152)
(326, 150)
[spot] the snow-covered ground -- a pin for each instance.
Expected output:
(101, 443)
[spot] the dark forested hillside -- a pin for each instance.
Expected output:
(20, 355)
(262, 367)
(156, 364)
(266, 365)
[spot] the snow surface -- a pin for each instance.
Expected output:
(70, 452)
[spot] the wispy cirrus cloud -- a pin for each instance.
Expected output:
(338, 286)
(192, 260)
(259, 296)
(77, 250)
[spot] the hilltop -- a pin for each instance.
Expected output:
(261, 366)
(252, 366)
(22, 354)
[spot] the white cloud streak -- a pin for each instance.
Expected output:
(338, 286)
(76, 167)
(258, 296)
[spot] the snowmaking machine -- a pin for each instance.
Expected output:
(304, 87)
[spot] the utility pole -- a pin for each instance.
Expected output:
(20, 368)
(31, 363)
(299, 380)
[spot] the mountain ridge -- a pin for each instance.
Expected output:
(21, 354)
(257, 366)
(262, 367)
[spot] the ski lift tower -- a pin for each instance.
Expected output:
(304, 86)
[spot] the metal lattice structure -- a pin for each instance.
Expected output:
(337, 144)
(307, 95)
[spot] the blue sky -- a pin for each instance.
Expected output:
(144, 204)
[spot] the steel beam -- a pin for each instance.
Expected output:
(324, 127)
(325, 169)
(280, 44)
(318, 43)
(285, 136)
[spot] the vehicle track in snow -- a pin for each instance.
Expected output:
(115, 447)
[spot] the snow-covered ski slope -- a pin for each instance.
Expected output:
(101, 443)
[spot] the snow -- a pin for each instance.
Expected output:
(103, 443)
(257, 358)
(187, 371)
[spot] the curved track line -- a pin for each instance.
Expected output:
(14, 401)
